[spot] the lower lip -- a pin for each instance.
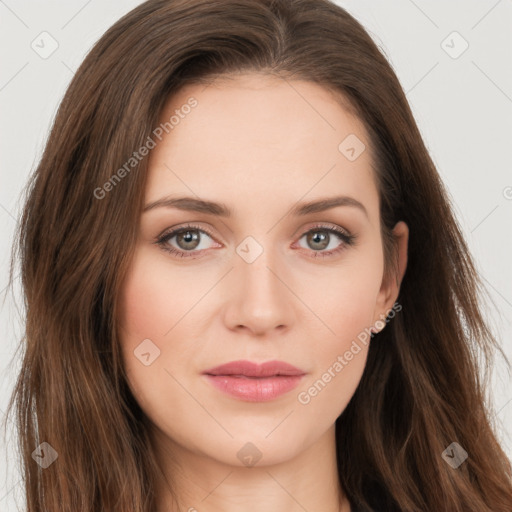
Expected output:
(255, 389)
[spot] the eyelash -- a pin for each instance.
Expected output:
(346, 238)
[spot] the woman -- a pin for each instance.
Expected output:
(246, 288)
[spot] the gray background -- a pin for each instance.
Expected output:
(462, 101)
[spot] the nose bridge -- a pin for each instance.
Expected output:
(261, 300)
(257, 267)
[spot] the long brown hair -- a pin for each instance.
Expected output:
(421, 389)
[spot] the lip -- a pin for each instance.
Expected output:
(253, 382)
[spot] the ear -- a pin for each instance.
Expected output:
(390, 287)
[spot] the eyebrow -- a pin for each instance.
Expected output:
(202, 206)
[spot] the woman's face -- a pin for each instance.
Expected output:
(267, 282)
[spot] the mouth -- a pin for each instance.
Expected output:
(252, 382)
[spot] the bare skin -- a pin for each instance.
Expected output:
(259, 146)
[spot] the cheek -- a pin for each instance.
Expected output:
(146, 312)
(346, 308)
(346, 299)
(156, 303)
(340, 358)
(154, 297)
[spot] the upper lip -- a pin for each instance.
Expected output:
(250, 369)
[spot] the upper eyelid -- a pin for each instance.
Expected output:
(170, 233)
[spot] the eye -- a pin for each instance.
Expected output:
(188, 238)
(321, 237)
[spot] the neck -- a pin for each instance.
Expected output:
(307, 481)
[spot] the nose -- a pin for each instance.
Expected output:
(258, 296)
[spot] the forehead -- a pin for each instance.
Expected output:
(256, 137)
